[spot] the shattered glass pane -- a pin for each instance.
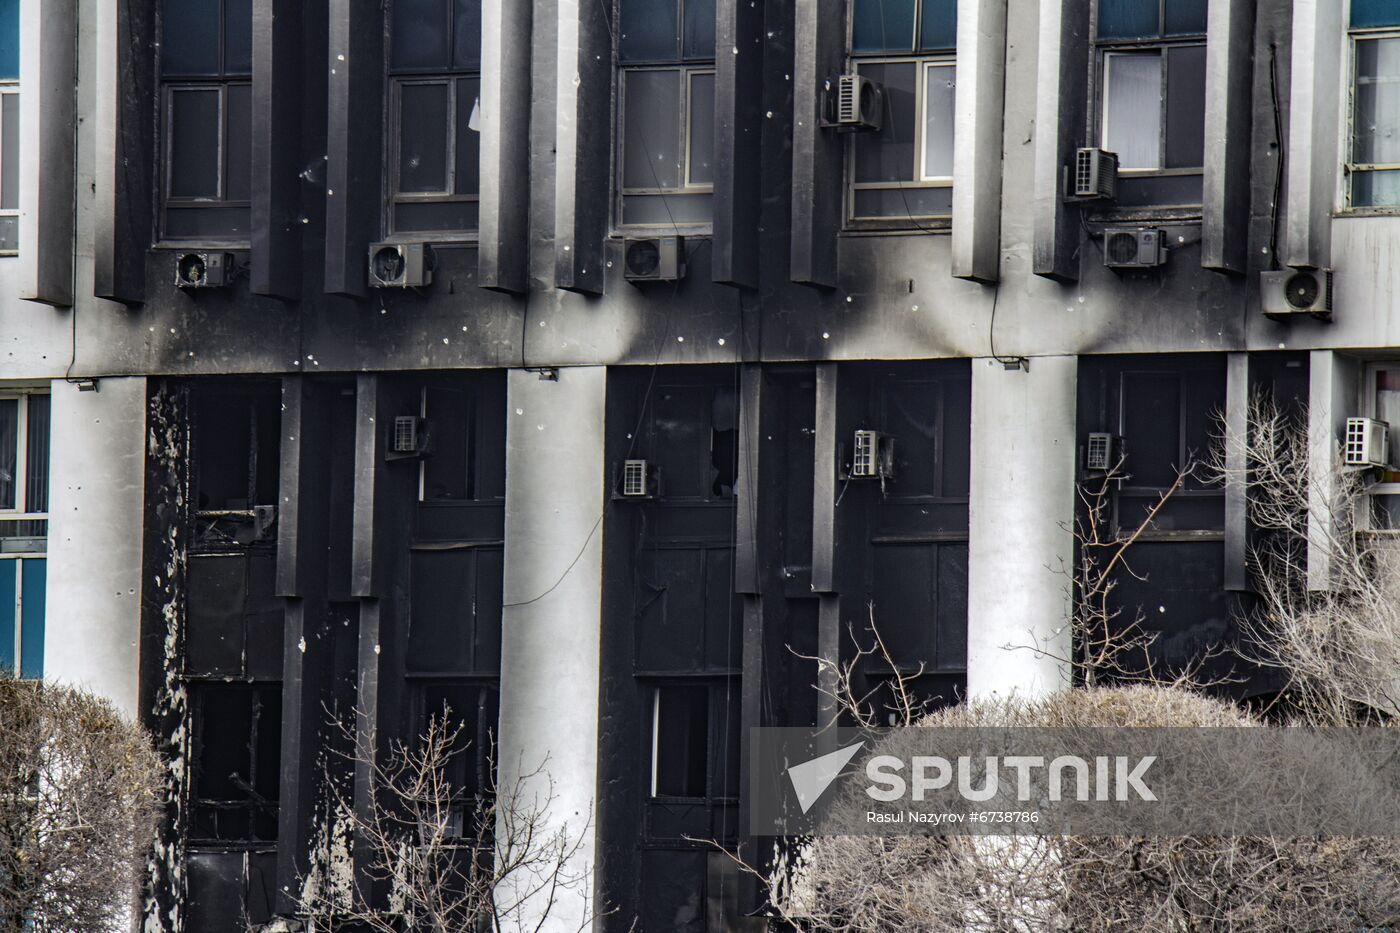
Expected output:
(1376, 121)
(882, 26)
(699, 33)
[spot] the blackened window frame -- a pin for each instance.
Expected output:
(220, 80)
(687, 68)
(200, 688)
(923, 60)
(1160, 44)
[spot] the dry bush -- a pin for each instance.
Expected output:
(78, 809)
(1084, 884)
(438, 861)
(1339, 644)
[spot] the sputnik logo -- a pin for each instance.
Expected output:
(811, 778)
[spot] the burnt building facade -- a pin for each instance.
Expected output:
(588, 369)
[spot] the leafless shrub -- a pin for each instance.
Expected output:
(78, 795)
(1338, 639)
(1085, 884)
(439, 861)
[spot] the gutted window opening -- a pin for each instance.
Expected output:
(1151, 66)
(470, 709)
(237, 443)
(237, 760)
(206, 120)
(434, 92)
(903, 173)
(666, 105)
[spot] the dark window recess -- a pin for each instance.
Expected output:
(455, 624)
(237, 447)
(470, 710)
(920, 605)
(905, 170)
(1152, 94)
(467, 456)
(229, 890)
(234, 623)
(680, 741)
(434, 102)
(237, 733)
(666, 156)
(206, 120)
(688, 617)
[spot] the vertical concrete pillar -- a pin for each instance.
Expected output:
(96, 490)
(555, 495)
(1333, 395)
(1020, 544)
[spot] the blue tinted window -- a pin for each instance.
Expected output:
(938, 25)
(189, 43)
(649, 30)
(882, 26)
(1185, 17)
(9, 581)
(1375, 13)
(1129, 19)
(33, 576)
(9, 39)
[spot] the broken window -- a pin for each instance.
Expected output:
(1373, 160)
(695, 739)
(9, 126)
(1152, 92)
(666, 51)
(434, 114)
(466, 430)
(692, 435)
(237, 434)
(904, 170)
(237, 747)
(206, 119)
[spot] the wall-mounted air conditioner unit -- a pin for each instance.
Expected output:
(203, 270)
(400, 265)
(654, 259)
(1367, 443)
(872, 456)
(411, 437)
(1100, 452)
(852, 104)
(1293, 292)
(1095, 175)
(638, 480)
(1134, 248)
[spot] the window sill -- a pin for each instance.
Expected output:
(936, 227)
(1190, 214)
(1349, 212)
(623, 233)
(451, 241)
(229, 246)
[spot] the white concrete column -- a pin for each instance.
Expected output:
(1334, 383)
(97, 480)
(1020, 545)
(555, 494)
